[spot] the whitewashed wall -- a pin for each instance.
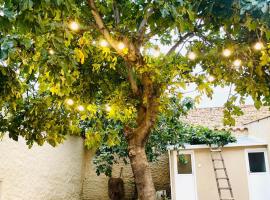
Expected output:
(261, 129)
(41, 173)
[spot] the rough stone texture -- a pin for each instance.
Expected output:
(40, 173)
(213, 117)
(96, 187)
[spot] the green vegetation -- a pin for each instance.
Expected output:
(82, 67)
(168, 131)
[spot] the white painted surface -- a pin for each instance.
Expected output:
(0, 189)
(172, 174)
(260, 129)
(242, 141)
(185, 184)
(258, 182)
(41, 173)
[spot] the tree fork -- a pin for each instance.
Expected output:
(137, 139)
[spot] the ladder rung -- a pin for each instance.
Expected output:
(225, 188)
(218, 179)
(223, 178)
(217, 159)
(215, 150)
(220, 168)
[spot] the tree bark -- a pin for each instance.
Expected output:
(142, 172)
(147, 111)
(137, 139)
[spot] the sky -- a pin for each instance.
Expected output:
(220, 94)
(219, 98)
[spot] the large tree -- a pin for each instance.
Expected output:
(80, 67)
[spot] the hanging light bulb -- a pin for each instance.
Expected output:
(69, 102)
(103, 43)
(258, 46)
(80, 108)
(156, 53)
(74, 26)
(210, 78)
(108, 108)
(237, 63)
(192, 55)
(226, 52)
(121, 46)
(51, 51)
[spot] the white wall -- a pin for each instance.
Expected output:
(40, 173)
(261, 129)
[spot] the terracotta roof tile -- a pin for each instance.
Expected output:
(213, 117)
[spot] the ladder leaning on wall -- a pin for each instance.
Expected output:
(221, 175)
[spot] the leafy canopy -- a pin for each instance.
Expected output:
(58, 75)
(169, 131)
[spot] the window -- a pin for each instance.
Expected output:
(256, 162)
(184, 164)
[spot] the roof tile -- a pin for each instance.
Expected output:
(213, 117)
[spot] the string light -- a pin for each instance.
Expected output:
(108, 108)
(80, 108)
(211, 78)
(156, 53)
(103, 43)
(258, 46)
(74, 26)
(43, 133)
(237, 63)
(121, 46)
(226, 52)
(51, 51)
(69, 102)
(192, 55)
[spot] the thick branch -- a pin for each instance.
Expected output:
(147, 113)
(116, 13)
(142, 27)
(132, 81)
(181, 39)
(132, 55)
(149, 108)
(100, 23)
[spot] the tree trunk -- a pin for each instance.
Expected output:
(142, 172)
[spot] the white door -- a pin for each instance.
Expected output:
(258, 174)
(0, 189)
(185, 182)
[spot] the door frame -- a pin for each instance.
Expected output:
(1, 189)
(254, 150)
(193, 165)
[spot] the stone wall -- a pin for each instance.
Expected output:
(96, 187)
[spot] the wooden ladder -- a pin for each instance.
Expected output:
(223, 182)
